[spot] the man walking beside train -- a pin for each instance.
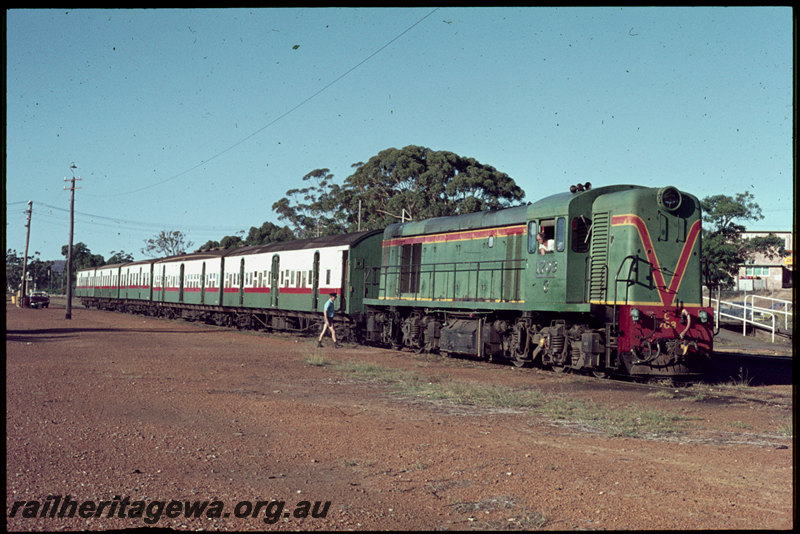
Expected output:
(327, 314)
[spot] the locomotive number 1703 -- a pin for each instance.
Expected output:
(546, 268)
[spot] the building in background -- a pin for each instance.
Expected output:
(761, 273)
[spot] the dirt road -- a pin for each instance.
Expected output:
(135, 411)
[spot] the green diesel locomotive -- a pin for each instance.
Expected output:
(605, 280)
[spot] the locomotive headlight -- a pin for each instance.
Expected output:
(703, 316)
(635, 314)
(669, 198)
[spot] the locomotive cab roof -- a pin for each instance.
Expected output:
(557, 204)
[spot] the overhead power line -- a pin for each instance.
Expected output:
(114, 222)
(284, 114)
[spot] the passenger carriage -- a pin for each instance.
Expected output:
(135, 280)
(279, 285)
(84, 282)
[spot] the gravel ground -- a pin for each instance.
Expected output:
(139, 411)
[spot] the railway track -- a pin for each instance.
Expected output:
(740, 361)
(731, 391)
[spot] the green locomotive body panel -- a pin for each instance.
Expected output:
(491, 260)
(652, 249)
(474, 261)
(557, 279)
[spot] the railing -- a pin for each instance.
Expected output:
(787, 304)
(488, 280)
(748, 315)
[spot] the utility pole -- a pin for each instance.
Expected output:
(69, 248)
(23, 298)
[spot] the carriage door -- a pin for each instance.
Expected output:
(150, 281)
(241, 283)
(343, 302)
(274, 273)
(203, 284)
(180, 284)
(315, 282)
(163, 282)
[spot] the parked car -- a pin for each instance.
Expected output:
(39, 299)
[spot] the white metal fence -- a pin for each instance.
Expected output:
(748, 313)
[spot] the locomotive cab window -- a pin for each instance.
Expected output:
(546, 244)
(561, 234)
(581, 227)
(532, 244)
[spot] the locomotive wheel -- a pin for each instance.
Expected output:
(560, 369)
(600, 374)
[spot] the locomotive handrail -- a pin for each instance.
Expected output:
(587, 282)
(430, 270)
(617, 280)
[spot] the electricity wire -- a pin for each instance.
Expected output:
(272, 122)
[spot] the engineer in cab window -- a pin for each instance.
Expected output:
(545, 245)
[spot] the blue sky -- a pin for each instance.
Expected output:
(199, 120)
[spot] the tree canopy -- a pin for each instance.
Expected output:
(268, 233)
(411, 183)
(724, 249)
(40, 273)
(313, 210)
(82, 257)
(262, 235)
(119, 257)
(166, 243)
